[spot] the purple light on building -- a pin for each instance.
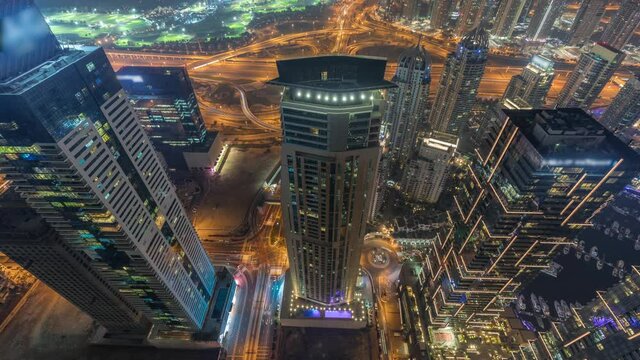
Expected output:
(337, 314)
(600, 321)
(312, 313)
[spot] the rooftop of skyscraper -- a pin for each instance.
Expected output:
(333, 72)
(569, 132)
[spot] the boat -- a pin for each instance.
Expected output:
(567, 248)
(534, 302)
(594, 252)
(545, 307)
(620, 264)
(636, 245)
(600, 263)
(558, 308)
(521, 303)
(587, 257)
(565, 307)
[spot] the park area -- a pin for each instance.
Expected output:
(164, 24)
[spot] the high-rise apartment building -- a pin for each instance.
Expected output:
(606, 328)
(623, 24)
(440, 13)
(407, 104)
(459, 83)
(546, 12)
(331, 117)
(508, 14)
(533, 84)
(29, 241)
(472, 12)
(586, 21)
(165, 103)
(624, 110)
(72, 148)
(594, 69)
(536, 179)
(425, 175)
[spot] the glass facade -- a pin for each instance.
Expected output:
(537, 178)
(73, 149)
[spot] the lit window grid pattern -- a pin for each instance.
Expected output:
(489, 249)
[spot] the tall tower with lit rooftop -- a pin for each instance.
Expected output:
(331, 117)
(73, 150)
(536, 179)
(594, 69)
(459, 82)
(533, 84)
(408, 102)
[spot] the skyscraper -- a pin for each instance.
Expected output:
(440, 13)
(624, 110)
(424, 177)
(606, 328)
(623, 24)
(546, 12)
(459, 82)
(471, 14)
(594, 69)
(29, 241)
(331, 116)
(165, 103)
(533, 84)
(586, 21)
(535, 181)
(508, 13)
(408, 102)
(73, 149)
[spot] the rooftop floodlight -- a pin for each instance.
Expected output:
(351, 97)
(308, 95)
(344, 98)
(335, 98)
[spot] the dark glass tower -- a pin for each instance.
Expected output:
(537, 178)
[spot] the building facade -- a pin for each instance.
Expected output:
(594, 69)
(331, 117)
(507, 17)
(426, 173)
(407, 104)
(624, 110)
(472, 12)
(73, 149)
(458, 87)
(622, 25)
(536, 179)
(29, 241)
(165, 104)
(440, 14)
(533, 84)
(586, 21)
(606, 328)
(546, 12)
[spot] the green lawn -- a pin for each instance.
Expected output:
(131, 29)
